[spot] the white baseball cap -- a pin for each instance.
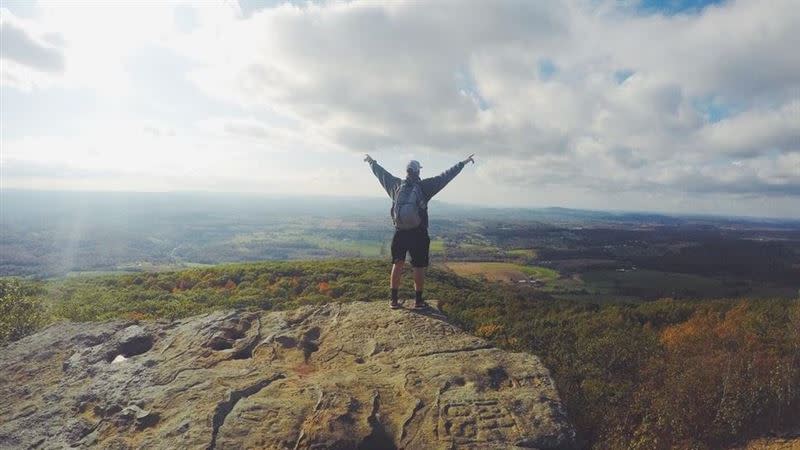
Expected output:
(413, 166)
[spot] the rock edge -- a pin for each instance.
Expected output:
(350, 375)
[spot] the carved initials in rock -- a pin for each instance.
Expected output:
(476, 420)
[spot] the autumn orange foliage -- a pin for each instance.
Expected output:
(722, 373)
(489, 330)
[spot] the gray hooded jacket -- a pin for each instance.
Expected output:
(430, 186)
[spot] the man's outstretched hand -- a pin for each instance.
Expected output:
(368, 159)
(469, 159)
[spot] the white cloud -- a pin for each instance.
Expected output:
(91, 43)
(756, 131)
(20, 43)
(29, 57)
(375, 76)
(708, 105)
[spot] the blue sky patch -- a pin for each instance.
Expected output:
(713, 109)
(621, 75)
(466, 84)
(547, 69)
(670, 7)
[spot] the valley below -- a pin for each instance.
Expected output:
(656, 331)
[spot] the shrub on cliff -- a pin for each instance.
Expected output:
(21, 309)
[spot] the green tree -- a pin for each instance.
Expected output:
(21, 310)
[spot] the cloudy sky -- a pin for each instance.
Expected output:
(672, 105)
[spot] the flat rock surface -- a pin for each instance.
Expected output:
(336, 376)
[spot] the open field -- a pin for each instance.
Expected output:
(501, 271)
(437, 246)
(521, 253)
(612, 280)
(351, 247)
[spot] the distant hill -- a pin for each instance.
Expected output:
(19, 205)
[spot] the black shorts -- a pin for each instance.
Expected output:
(417, 242)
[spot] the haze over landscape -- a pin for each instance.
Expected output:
(669, 106)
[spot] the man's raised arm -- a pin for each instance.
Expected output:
(432, 186)
(387, 180)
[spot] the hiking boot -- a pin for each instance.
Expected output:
(394, 304)
(421, 304)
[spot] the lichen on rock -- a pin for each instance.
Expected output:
(352, 375)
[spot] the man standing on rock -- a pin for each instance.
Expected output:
(410, 199)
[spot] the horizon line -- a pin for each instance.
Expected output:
(455, 204)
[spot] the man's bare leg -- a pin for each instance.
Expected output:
(394, 282)
(397, 273)
(419, 285)
(419, 278)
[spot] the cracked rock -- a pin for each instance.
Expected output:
(354, 375)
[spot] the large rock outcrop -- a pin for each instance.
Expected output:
(337, 376)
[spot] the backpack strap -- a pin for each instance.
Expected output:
(422, 201)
